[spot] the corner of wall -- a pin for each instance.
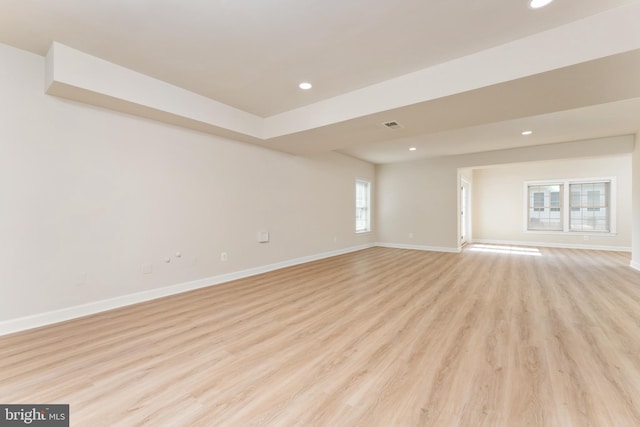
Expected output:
(635, 211)
(48, 71)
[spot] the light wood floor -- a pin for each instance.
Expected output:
(381, 337)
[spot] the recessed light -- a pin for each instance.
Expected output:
(305, 85)
(412, 149)
(537, 4)
(527, 132)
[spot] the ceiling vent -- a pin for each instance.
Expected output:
(392, 125)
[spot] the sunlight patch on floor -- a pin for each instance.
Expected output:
(501, 249)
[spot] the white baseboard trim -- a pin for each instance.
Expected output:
(635, 265)
(419, 247)
(554, 245)
(56, 316)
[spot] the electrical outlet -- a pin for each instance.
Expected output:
(223, 257)
(411, 235)
(147, 269)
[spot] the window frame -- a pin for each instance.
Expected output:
(367, 228)
(565, 205)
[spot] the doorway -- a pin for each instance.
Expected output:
(465, 211)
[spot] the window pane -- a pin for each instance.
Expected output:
(593, 200)
(555, 201)
(538, 202)
(575, 200)
(363, 206)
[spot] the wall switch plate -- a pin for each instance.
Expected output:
(263, 237)
(147, 269)
(223, 257)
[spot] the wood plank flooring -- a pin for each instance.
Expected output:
(381, 337)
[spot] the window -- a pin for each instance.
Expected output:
(544, 207)
(589, 205)
(363, 206)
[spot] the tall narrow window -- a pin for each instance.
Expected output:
(544, 207)
(590, 206)
(363, 206)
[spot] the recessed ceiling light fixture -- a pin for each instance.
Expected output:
(305, 85)
(527, 132)
(412, 149)
(537, 4)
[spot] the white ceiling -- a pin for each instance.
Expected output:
(251, 54)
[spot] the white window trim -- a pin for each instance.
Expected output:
(566, 210)
(355, 208)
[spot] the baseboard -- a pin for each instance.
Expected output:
(419, 247)
(554, 245)
(47, 318)
(635, 265)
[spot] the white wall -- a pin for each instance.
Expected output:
(90, 196)
(498, 204)
(417, 205)
(635, 261)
